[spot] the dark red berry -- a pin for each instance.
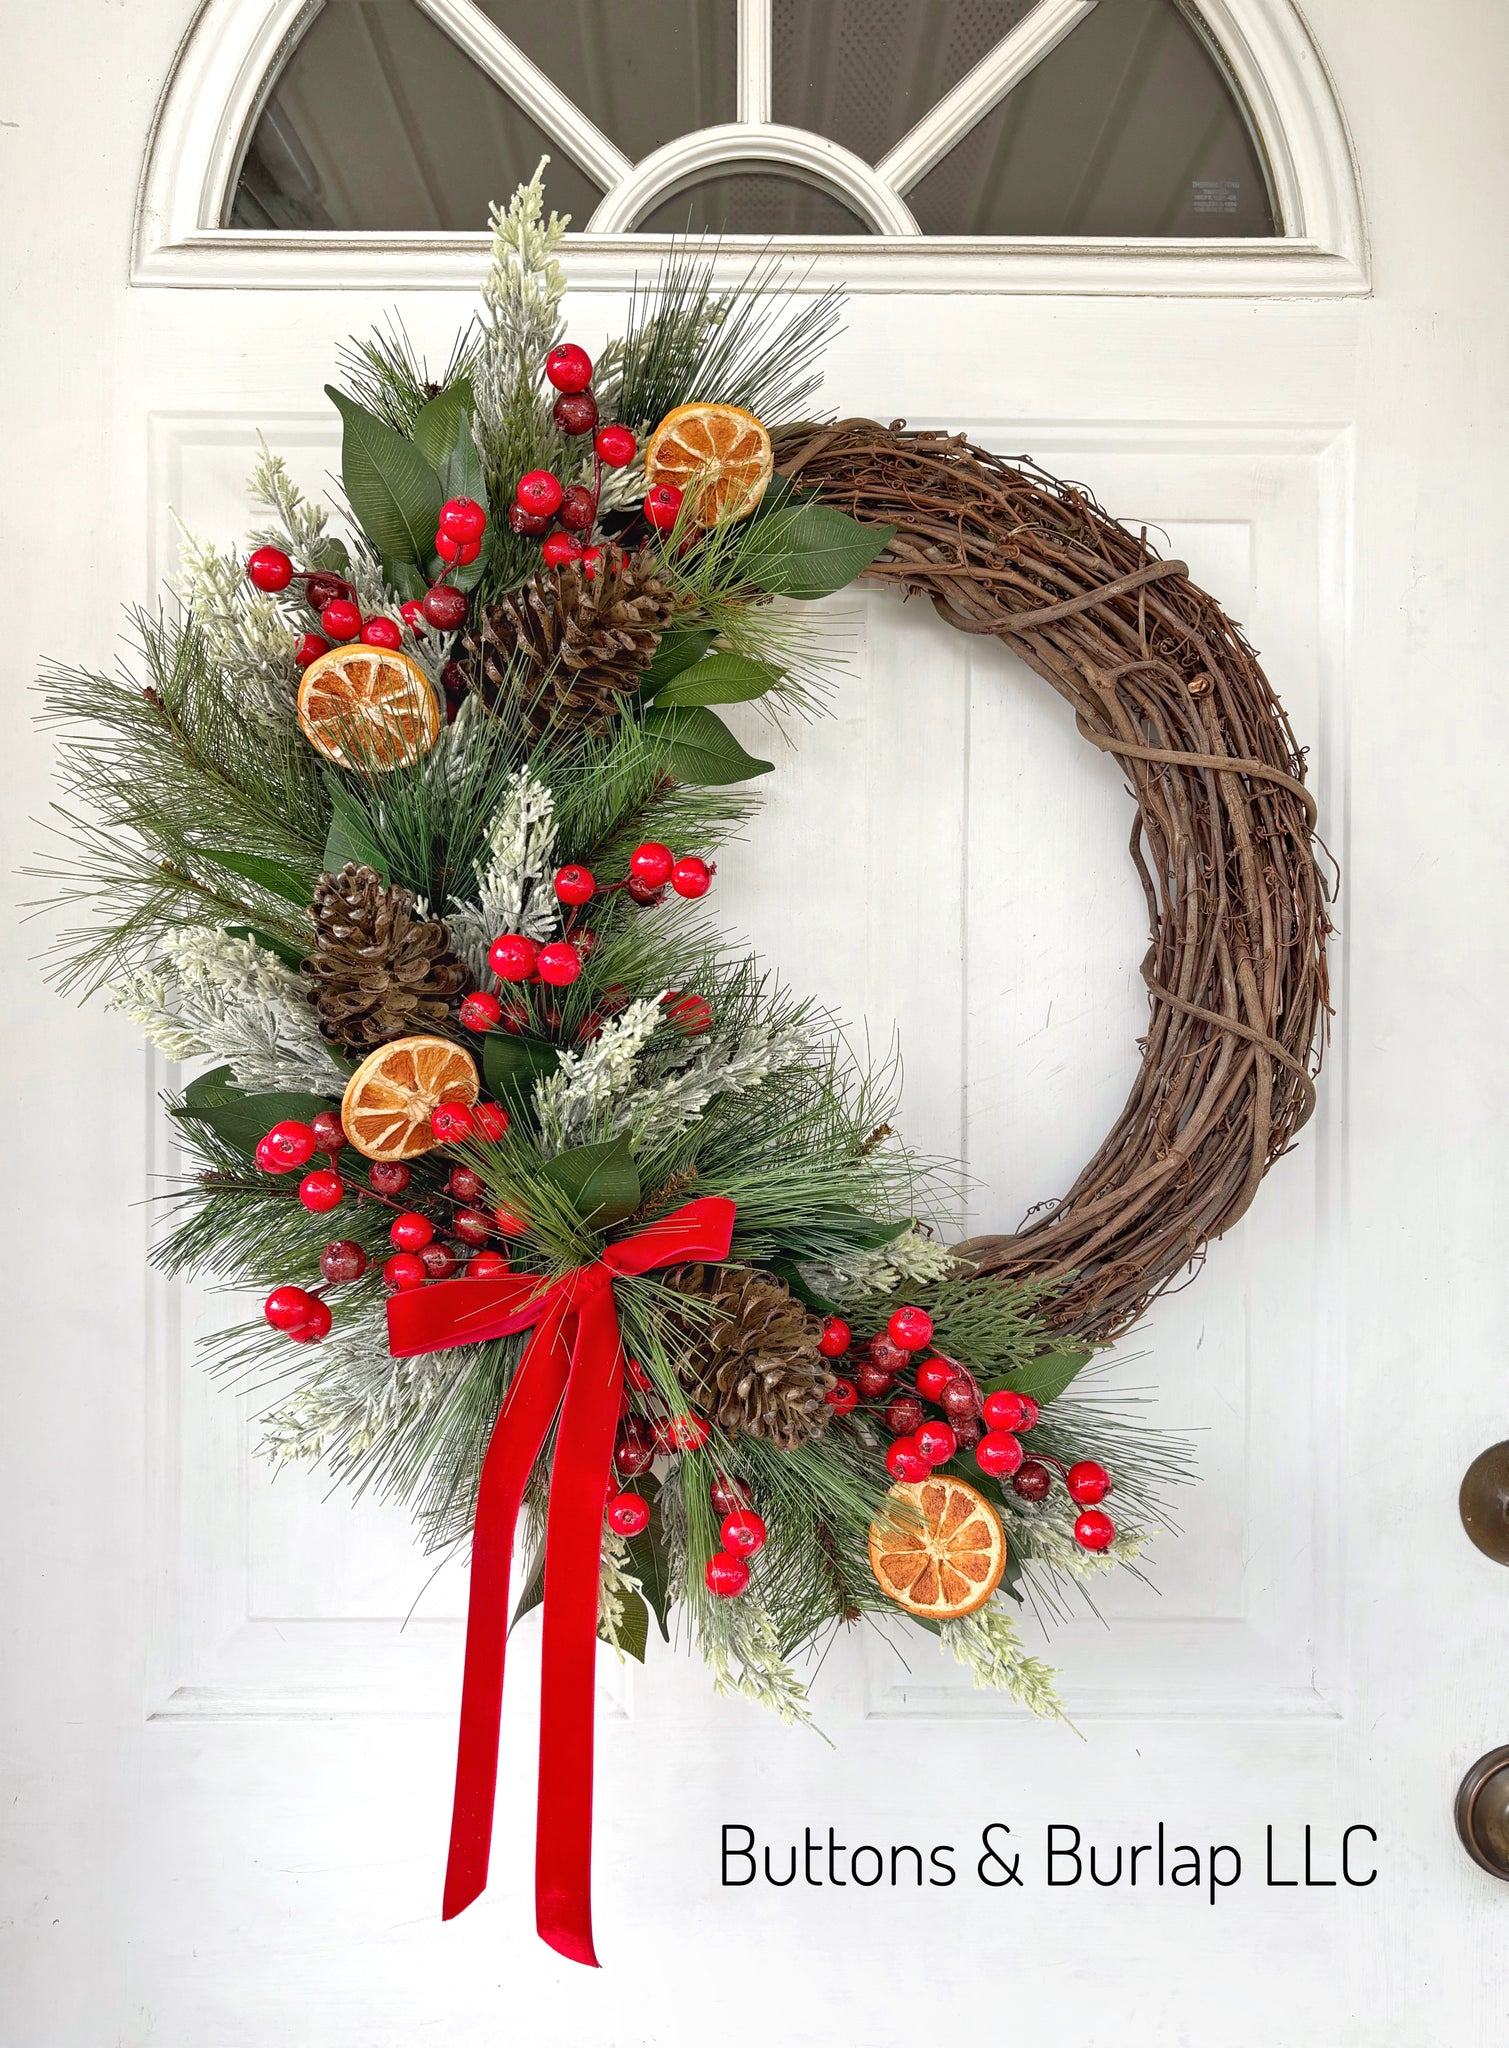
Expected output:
(644, 892)
(343, 1261)
(960, 1397)
(320, 588)
(1032, 1481)
(568, 367)
(575, 412)
(465, 1185)
(471, 1226)
(531, 524)
(440, 1260)
(888, 1355)
(269, 569)
(616, 446)
(904, 1415)
(578, 509)
(388, 1177)
(728, 1494)
(633, 1451)
(329, 1132)
(872, 1383)
(480, 1011)
(444, 606)
(341, 619)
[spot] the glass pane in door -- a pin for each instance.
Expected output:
(753, 202)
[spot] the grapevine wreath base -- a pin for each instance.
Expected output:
(402, 835)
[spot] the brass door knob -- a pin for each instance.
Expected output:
(1484, 1502)
(1483, 1812)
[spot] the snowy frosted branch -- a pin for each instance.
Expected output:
(513, 878)
(664, 1107)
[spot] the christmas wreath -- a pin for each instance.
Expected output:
(571, 1217)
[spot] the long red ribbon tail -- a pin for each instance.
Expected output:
(533, 1396)
(573, 1562)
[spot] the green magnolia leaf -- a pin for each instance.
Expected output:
(810, 550)
(405, 578)
(330, 552)
(273, 875)
(634, 1628)
(720, 679)
(242, 1119)
(601, 1181)
(394, 493)
(461, 473)
(290, 956)
(512, 1065)
(699, 746)
(678, 649)
(791, 1273)
(435, 425)
(350, 836)
(1044, 1377)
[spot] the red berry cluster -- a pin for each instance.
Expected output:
(992, 1424)
(562, 516)
(640, 1440)
(458, 539)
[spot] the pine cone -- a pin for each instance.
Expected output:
(754, 1368)
(566, 651)
(379, 970)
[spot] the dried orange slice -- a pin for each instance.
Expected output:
(719, 453)
(368, 708)
(942, 1554)
(385, 1111)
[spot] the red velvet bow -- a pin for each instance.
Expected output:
(574, 1362)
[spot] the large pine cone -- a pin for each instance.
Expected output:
(566, 652)
(379, 970)
(754, 1367)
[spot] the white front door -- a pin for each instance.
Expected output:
(228, 1754)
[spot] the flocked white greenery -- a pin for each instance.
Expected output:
(911, 1259)
(721, 1067)
(569, 1101)
(989, 1645)
(513, 878)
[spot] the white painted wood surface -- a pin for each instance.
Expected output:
(225, 1766)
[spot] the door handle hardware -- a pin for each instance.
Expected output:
(1483, 1812)
(1484, 1502)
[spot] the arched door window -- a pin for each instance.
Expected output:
(1169, 145)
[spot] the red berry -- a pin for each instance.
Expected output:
(575, 412)
(872, 1383)
(440, 1260)
(1030, 1412)
(743, 1532)
(531, 523)
(314, 1326)
(405, 1270)
(471, 1226)
(510, 1222)
(911, 1328)
(937, 1442)
(689, 1432)
(291, 1144)
(411, 611)
(888, 1356)
(462, 519)
(269, 569)
(575, 884)
(539, 492)
(933, 1375)
(726, 1576)
(342, 1262)
(904, 1460)
(310, 648)
(329, 1132)
(662, 505)
(450, 549)
(633, 1452)
(842, 1397)
(465, 1185)
(1088, 1483)
(690, 1015)
(616, 446)
(444, 606)
(488, 1266)
(628, 1514)
(998, 1453)
(267, 1159)
(691, 877)
(592, 561)
(1033, 1481)
(904, 1415)
(492, 1121)
(411, 1232)
(341, 619)
(728, 1494)
(652, 865)
(637, 1376)
(960, 1399)
(559, 963)
(834, 1341)
(1004, 1410)
(388, 1177)
(1094, 1530)
(480, 1011)
(451, 1122)
(512, 957)
(558, 549)
(578, 509)
(568, 367)
(321, 1190)
(382, 632)
(286, 1307)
